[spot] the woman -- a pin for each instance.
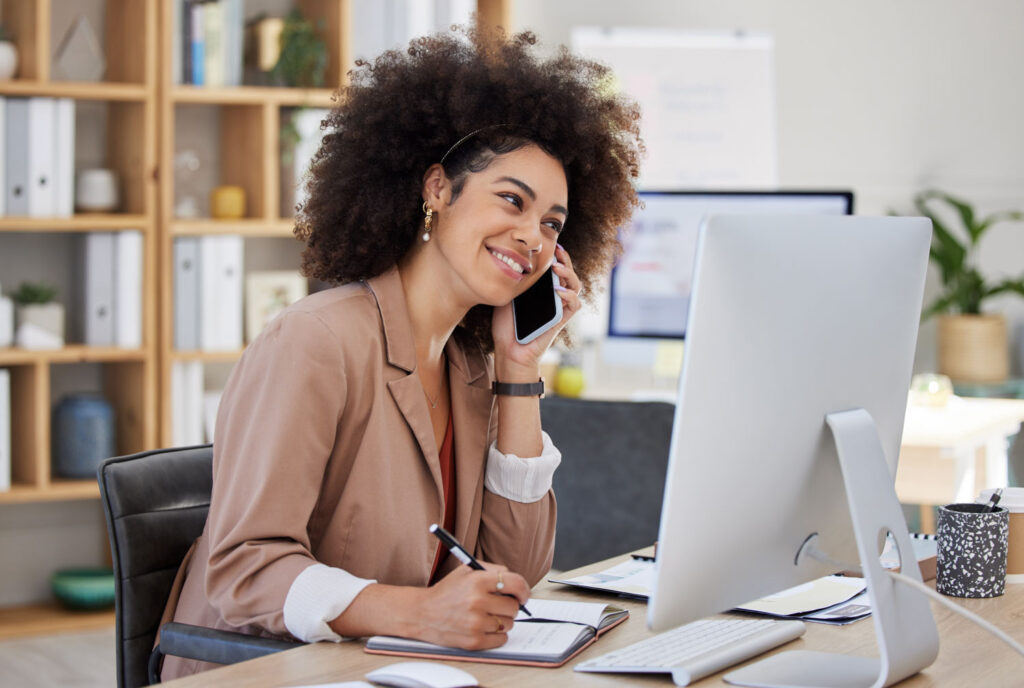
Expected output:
(453, 175)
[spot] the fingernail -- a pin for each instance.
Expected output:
(560, 246)
(559, 287)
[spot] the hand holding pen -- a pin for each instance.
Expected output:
(463, 555)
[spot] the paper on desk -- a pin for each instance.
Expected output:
(817, 595)
(633, 577)
(843, 613)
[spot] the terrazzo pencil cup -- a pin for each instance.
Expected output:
(971, 558)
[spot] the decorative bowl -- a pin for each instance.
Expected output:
(84, 588)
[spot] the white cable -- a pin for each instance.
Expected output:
(991, 628)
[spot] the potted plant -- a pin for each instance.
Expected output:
(8, 55)
(303, 57)
(39, 318)
(972, 344)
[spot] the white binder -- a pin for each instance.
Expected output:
(3, 156)
(128, 289)
(42, 158)
(64, 165)
(16, 157)
(220, 289)
(98, 295)
(186, 293)
(5, 430)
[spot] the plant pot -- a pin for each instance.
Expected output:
(8, 60)
(973, 348)
(40, 326)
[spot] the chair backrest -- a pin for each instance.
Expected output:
(156, 504)
(610, 484)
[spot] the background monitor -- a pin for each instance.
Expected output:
(651, 282)
(793, 318)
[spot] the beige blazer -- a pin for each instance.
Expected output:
(324, 452)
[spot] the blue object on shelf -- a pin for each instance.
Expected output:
(83, 435)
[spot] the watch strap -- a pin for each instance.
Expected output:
(519, 389)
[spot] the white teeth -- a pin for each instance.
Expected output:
(508, 261)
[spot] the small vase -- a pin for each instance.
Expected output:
(96, 191)
(40, 326)
(8, 60)
(83, 435)
(973, 348)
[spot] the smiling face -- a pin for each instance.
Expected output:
(498, 235)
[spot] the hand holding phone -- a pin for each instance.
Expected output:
(537, 309)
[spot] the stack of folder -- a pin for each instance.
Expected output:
(38, 150)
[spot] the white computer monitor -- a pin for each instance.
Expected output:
(794, 320)
(651, 281)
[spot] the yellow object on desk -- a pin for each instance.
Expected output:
(227, 203)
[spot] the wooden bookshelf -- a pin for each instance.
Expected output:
(128, 101)
(125, 105)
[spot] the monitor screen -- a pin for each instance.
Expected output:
(651, 282)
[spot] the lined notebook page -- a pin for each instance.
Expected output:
(588, 613)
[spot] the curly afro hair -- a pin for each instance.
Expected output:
(465, 97)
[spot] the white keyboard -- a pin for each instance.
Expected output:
(697, 649)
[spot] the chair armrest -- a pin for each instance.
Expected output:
(219, 647)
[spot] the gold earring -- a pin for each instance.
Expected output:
(428, 221)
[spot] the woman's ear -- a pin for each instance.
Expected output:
(435, 182)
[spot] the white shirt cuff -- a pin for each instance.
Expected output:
(522, 480)
(319, 594)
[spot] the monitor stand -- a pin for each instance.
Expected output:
(908, 640)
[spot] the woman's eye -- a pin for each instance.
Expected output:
(554, 224)
(513, 199)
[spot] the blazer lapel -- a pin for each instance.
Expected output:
(401, 352)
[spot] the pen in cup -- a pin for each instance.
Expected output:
(463, 555)
(996, 496)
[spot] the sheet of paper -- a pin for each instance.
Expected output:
(844, 612)
(818, 594)
(633, 577)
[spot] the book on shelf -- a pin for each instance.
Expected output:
(186, 293)
(5, 430)
(128, 289)
(187, 403)
(557, 632)
(64, 150)
(112, 293)
(220, 292)
(98, 294)
(207, 42)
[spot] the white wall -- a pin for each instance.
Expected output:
(885, 97)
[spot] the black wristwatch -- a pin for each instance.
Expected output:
(519, 389)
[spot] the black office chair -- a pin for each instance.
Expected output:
(610, 484)
(156, 504)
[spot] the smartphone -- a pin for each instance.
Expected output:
(537, 309)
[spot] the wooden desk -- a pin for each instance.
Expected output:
(952, 453)
(968, 656)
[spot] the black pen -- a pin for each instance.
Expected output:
(460, 552)
(991, 506)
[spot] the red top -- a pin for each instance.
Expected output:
(447, 457)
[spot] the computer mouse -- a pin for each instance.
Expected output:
(421, 675)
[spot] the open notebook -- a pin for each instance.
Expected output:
(555, 633)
